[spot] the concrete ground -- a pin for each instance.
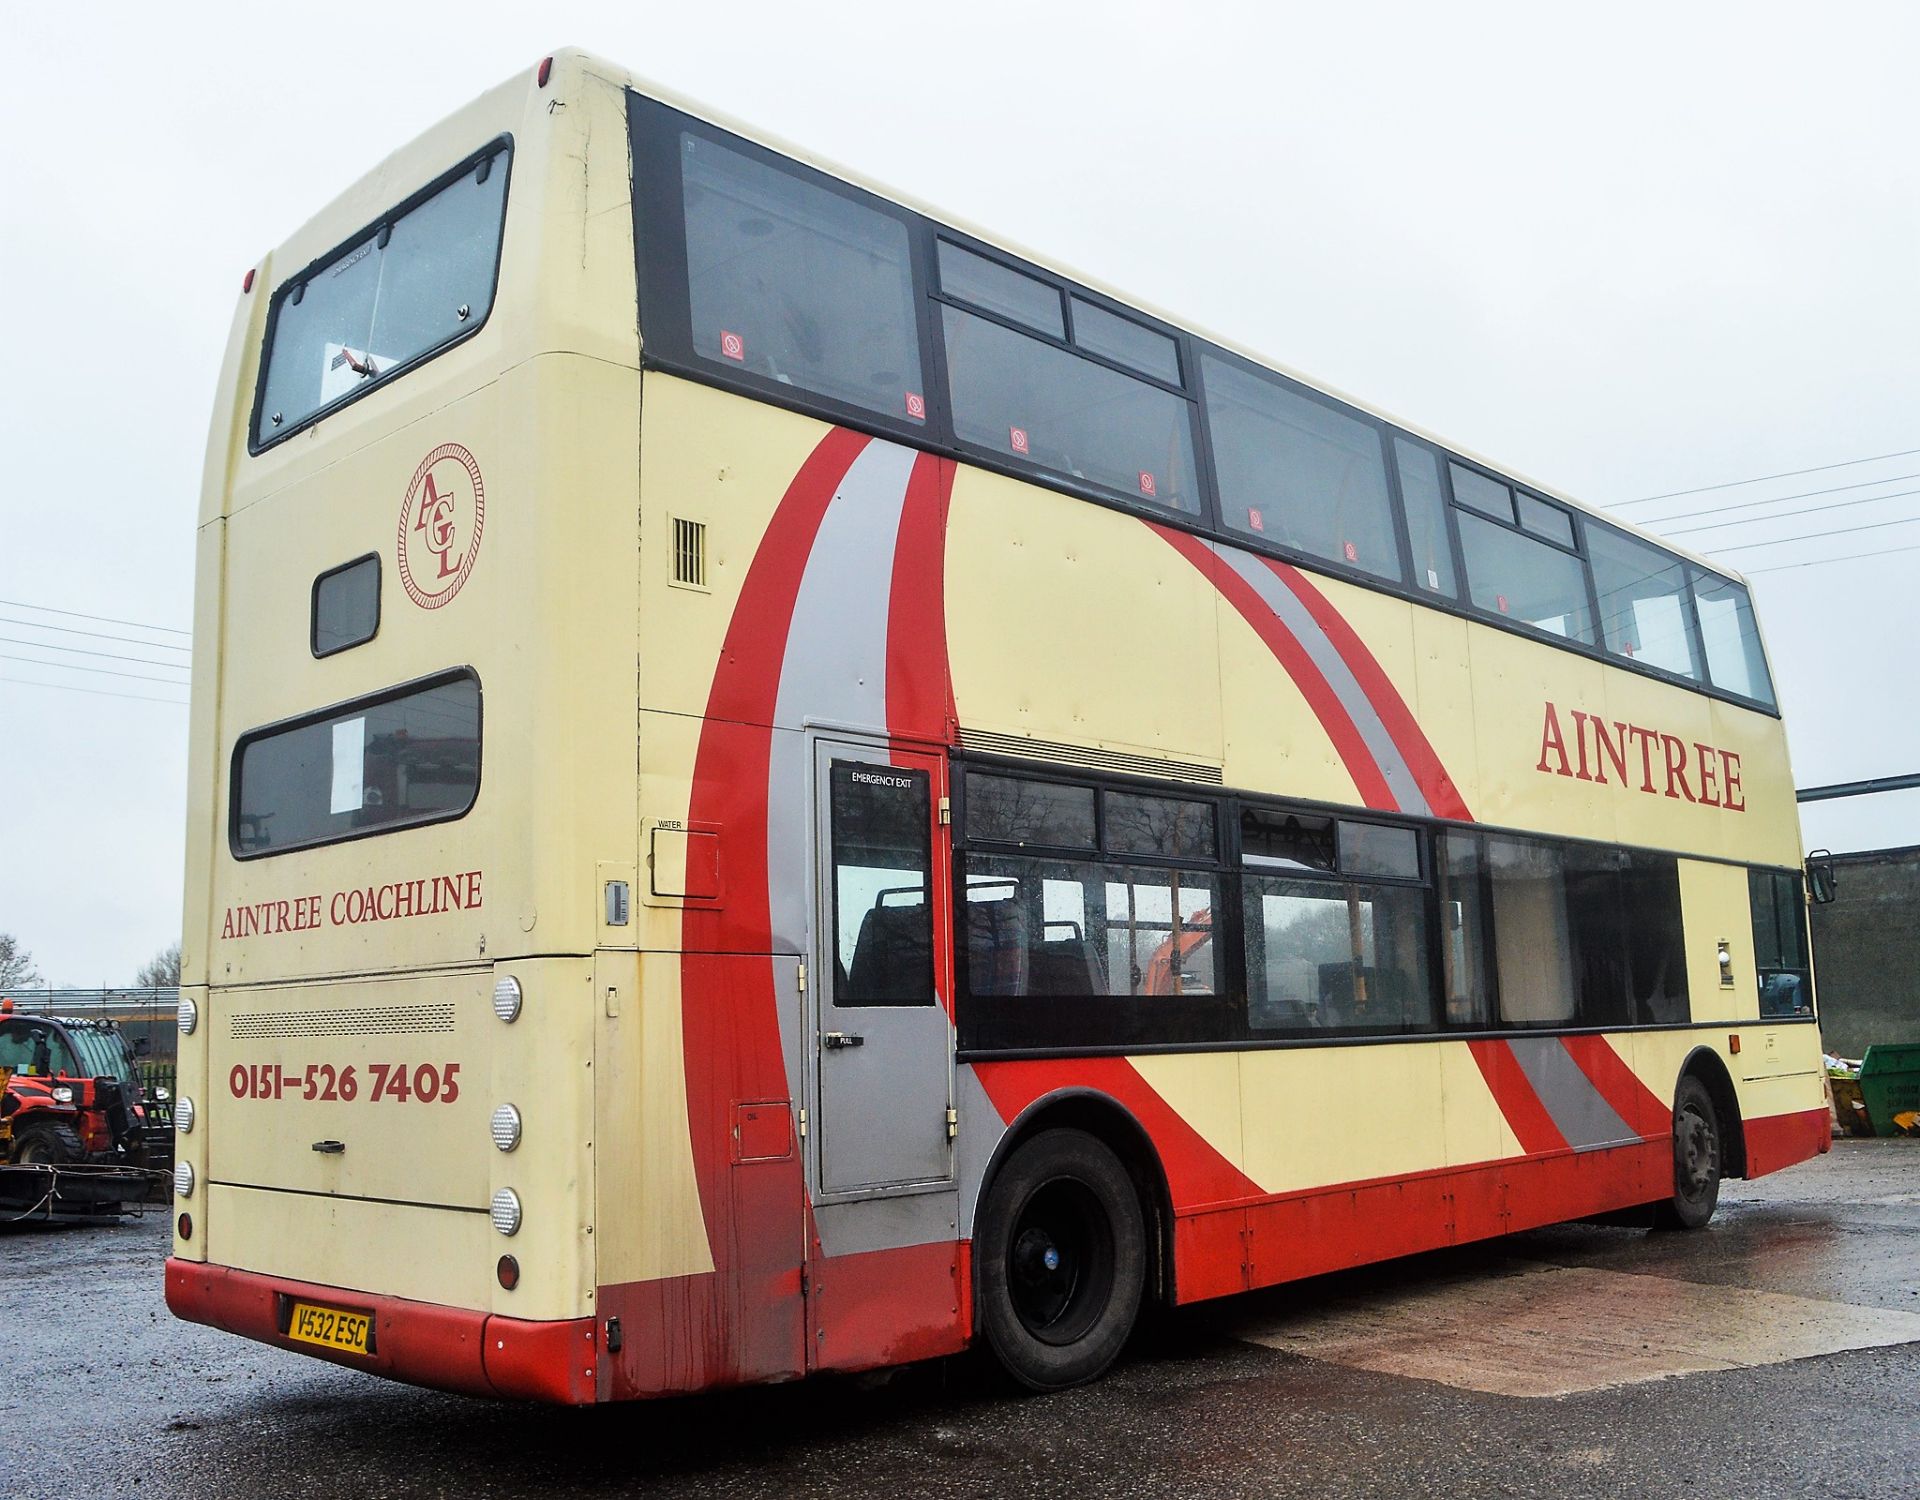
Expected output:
(1777, 1353)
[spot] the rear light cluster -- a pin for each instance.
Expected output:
(189, 1015)
(183, 1115)
(183, 1179)
(504, 1124)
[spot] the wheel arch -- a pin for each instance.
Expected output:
(1115, 1126)
(1710, 1069)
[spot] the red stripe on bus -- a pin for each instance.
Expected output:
(919, 684)
(1442, 795)
(1292, 656)
(730, 1031)
(1526, 1115)
(1197, 1174)
(1619, 1085)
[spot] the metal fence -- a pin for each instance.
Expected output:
(147, 1014)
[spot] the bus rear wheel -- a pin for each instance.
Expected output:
(1062, 1257)
(1697, 1156)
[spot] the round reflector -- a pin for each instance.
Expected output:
(506, 997)
(506, 1211)
(183, 1115)
(183, 1179)
(508, 1270)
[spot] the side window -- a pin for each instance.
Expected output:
(1343, 952)
(1111, 947)
(799, 284)
(1466, 947)
(1735, 661)
(1298, 472)
(1532, 943)
(882, 866)
(1581, 934)
(1035, 402)
(1643, 601)
(1780, 943)
(1426, 510)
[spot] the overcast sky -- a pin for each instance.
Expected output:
(1628, 251)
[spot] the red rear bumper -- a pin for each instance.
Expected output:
(451, 1348)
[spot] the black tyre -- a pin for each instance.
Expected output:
(52, 1143)
(1061, 1257)
(1697, 1156)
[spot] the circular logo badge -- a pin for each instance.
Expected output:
(440, 522)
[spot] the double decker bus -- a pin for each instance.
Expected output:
(780, 785)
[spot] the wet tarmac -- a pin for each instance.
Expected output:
(1685, 1363)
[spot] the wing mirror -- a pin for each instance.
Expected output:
(1820, 882)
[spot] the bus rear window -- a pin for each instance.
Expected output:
(404, 757)
(403, 290)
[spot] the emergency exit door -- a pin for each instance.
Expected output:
(881, 1023)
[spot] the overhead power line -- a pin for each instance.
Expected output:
(74, 614)
(59, 687)
(1814, 536)
(1717, 510)
(1728, 484)
(171, 666)
(1821, 562)
(74, 666)
(1808, 510)
(107, 635)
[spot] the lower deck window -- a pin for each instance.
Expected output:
(393, 760)
(1780, 944)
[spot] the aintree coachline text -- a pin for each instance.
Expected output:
(372, 903)
(1664, 761)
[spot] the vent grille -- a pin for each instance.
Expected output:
(988, 743)
(369, 1020)
(690, 552)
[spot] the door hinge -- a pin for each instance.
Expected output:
(953, 1122)
(803, 1124)
(946, 810)
(800, 975)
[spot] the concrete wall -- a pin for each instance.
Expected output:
(1866, 951)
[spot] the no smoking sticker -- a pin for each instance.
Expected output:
(1017, 439)
(732, 345)
(1254, 519)
(916, 406)
(1147, 485)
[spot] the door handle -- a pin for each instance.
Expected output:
(837, 1039)
(330, 1148)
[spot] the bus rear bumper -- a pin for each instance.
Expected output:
(449, 1348)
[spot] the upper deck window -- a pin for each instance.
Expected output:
(1735, 661)
(1643, 601)
(1299, 473)
(798, 284)
(409, 286)
(1038, 403)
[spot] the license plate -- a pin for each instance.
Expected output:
(330, 1327)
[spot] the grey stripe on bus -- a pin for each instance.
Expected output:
(1578, 1110)
(834, 667)
(1299, 620)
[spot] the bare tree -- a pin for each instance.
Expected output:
(162, 970)
(16, 964)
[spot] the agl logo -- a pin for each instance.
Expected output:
(440, 524)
